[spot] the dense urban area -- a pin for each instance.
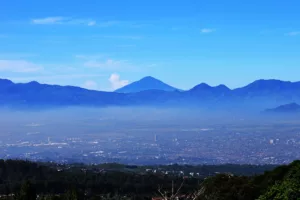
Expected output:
(143, 143)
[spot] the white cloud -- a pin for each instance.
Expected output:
(116, 82)
(207, 30)
(294, 33)
(91, 85)
(49, 20)
(63, 20)
(19, 66)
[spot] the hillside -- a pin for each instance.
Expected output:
(27, 179)
(287, 108)
(146, 83)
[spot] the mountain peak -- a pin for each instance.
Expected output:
(34, 83)
(268, 83)
(201, 86)
(149, 78)
(222, 87)
(146, 83)
(6, 81)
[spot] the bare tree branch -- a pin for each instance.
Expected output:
(172, 188)
(173, 196)
(161, 193)
(199, 192)
(178, 190)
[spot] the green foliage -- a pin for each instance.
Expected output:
(27, 192)
(288, 187)
(71, 195)
(282, 183)
(223, 187)
(94, 182)
(27, 179)
(287, 190)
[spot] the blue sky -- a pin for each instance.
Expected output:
(104, 45)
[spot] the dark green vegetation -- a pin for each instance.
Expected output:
(282, 183)
(26, 180)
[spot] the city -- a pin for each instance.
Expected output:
(145, 144)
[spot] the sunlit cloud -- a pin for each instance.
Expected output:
(116, 81)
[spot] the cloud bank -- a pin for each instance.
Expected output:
(116, 82)
(63, 20)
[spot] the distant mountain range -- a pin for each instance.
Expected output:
(146, 83)
(149, 91)
(287, 108)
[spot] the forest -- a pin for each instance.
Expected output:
(25, 180)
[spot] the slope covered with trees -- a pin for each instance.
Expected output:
(23, 180)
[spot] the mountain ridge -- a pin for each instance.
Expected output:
(286, 108)
(257, 95)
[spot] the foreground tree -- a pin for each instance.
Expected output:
(176, 194)
(27, 192)
(287, 190)
(72, 194)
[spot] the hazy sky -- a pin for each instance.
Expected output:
(104, 44)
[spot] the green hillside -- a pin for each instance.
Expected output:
(28, 180)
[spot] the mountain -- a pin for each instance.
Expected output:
(267, 93)
(151, 92)
(287, 108)
(205, 89)
(34, 94)
(263, 87)
(146, 83)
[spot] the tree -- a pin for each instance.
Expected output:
(175, 193)
(27, 192)
(71, 195)
(287, 190)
